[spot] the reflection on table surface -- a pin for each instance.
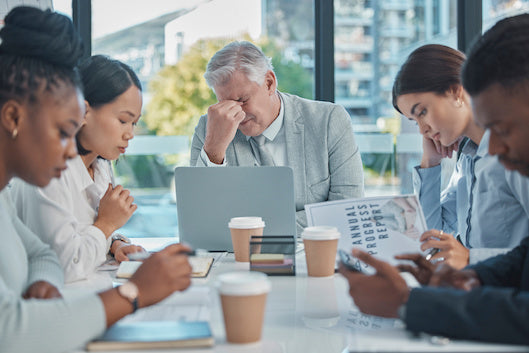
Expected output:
(303, 314)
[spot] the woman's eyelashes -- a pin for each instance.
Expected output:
(65, 134)
(132, 121)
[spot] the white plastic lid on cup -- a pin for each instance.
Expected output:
(243, 283)
(246, 223)
(320, 233)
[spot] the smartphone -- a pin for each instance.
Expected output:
(138, 256)
(349, 261)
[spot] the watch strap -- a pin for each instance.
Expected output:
(134, 303)
(124, 290)
(116, 237)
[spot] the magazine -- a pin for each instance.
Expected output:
(383, 226)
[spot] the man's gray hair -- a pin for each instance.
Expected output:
(243, 56)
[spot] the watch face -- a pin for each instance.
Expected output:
(128, 290)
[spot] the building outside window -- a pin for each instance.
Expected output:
(168, 43)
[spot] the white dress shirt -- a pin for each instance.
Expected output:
(63, 213)
(275, 143)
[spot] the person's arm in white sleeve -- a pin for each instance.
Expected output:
(38, 325)
(51, 325)
(42, 260)
(205, 162)
(50, 216)
(43, 264)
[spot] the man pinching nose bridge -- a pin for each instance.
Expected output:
(254, 124)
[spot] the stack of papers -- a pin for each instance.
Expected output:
(271, 263)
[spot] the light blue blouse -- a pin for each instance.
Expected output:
(484, 204)
(52, 325)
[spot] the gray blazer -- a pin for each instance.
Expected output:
(321, 151)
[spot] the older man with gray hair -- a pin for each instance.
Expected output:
(253, 124)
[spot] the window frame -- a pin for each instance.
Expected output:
(469, 26)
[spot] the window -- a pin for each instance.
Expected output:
(495, 10)
(168, 44)
(372, 39)
(63, 6)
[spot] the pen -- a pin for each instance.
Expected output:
(143, 255)
(431, 253)
(112, 178)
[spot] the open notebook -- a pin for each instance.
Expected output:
(200, 264)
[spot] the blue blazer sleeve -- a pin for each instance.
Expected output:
(496, 312)
(508, 270)
(487, 314)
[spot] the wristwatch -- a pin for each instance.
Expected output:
(119, 237)
(129, 291)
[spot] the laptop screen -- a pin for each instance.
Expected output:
(207, 198)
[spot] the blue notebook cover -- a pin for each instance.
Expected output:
(154, 335)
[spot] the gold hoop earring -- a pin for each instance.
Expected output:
(14, 134)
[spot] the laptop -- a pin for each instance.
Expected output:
(207, 198)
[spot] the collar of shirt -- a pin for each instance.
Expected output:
(83, 180)
(469, 148)
(477, 151)
(483, 148)
(271, 132)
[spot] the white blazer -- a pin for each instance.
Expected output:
(63, 213)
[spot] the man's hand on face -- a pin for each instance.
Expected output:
(223, 121)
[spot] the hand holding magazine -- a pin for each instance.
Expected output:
(383, 226)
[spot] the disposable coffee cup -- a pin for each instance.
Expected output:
(242, 228)
(320, 243)
(243, 298)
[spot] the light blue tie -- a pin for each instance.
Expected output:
(260, 152)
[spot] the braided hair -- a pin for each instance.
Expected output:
(38, 49)
(501, 56)
(430, 68)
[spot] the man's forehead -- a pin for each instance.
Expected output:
(233, 91)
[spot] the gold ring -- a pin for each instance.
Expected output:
(441, 233)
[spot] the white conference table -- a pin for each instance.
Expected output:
(303, 314)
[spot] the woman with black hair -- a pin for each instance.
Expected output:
(488, 301)
(41, 109)
(78, 213)
(484, 206)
